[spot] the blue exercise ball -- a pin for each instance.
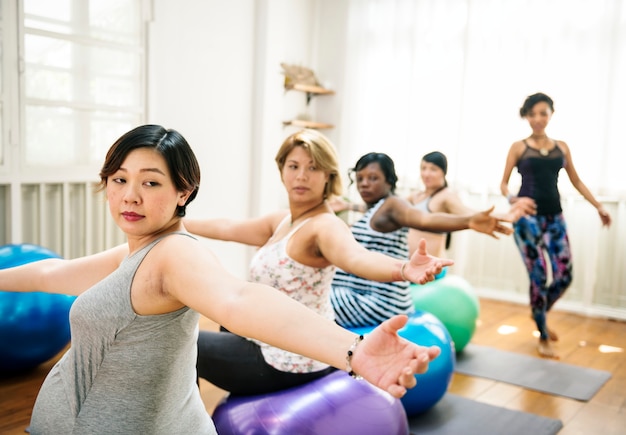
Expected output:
(34, 326)
(335, 404)
(453, 301)
(425, 329)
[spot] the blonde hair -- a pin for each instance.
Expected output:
(323, 153)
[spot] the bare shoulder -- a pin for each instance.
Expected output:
(564, 147)
(178, 252)
(518, 145)
(446, 195)
(118, 253)
(517, 148)
(327, 221)
(395, 202)
(394, 209)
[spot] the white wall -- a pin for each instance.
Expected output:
(493, 267)
(214, 75)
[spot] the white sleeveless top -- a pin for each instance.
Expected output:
(308, 285)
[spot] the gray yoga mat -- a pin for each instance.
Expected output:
(455, 415)
(533, 373)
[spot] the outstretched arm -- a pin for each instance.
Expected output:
(55, 275)
(382, 358)
(423, 267)
(253, 232)
(484, 222)
(605, 217)
(338, 246)
(519, 207)
(404, 215)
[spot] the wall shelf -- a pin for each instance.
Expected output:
(307, 124)
(310, 91)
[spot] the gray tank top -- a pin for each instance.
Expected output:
(124, 373)
(423, 205)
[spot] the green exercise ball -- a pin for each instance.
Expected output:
(453, 301)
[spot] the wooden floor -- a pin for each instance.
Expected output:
(580, 342)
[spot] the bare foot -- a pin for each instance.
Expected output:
(552, 335)
(545, 349)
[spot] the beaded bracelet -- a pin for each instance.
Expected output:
(355, 343)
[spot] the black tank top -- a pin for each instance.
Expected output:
(540, 175)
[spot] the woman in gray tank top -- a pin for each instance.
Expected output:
(131, 366)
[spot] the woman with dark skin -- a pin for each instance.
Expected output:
(383, 228)
(539, 159)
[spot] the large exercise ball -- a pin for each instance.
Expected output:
(335, 404)
(453, 301)
(34, 326)
(425, 329)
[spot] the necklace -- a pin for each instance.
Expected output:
(305, 212)
(544, 151)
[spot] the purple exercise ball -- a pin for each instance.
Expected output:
(34, 326)
(335, 404)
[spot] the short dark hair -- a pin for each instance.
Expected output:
(533, 99)
(386, 165)
(179, 157)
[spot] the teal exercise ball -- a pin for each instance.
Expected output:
(425, 329)
(34, 326)
(453, 301)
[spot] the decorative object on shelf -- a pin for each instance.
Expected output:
(300, 78)
(298, 75)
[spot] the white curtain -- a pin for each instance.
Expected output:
(450, 75)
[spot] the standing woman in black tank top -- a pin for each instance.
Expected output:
(539, 159)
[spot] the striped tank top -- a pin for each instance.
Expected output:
(360, 302)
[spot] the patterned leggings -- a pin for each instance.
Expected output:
(534, 236)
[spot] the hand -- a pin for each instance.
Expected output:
(422, 267)
(605, 217)
(520, 206)
(484, 222)
(389, 361)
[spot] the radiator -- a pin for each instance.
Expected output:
(495, 268)
(68, 218)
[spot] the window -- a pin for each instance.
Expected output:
(82, 79)
(72, 80)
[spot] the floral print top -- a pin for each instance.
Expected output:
(308, 285)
